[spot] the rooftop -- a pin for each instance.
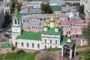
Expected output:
(56, 8)
(30, 35)
(51, 31)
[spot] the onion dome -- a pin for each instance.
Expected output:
(45, 24)
(47, 21)
(52, 19)
(69, 38)
(57, 25)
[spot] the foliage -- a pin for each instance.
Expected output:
(53, 49)
(20, 51)
(16, 56)
(85, 54)
(81, 9)
(86, 33)
(46, 8)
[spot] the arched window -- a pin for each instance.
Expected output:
(50, 46)
(32, 45)
(27, 44)
(56, 41)
(51, 41)
(45, 46)
(15, 21)
(22, 44)
(15, 43)
(38, 45)
(45, 41)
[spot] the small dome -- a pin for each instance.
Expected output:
(52, 18)
(69, 40)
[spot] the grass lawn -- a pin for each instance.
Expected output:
(15, 56)
(85, 54)
(53, 49)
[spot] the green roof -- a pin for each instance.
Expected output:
(51, 31)
(30, 35)
(56, 8)
(64, 41)
(6, 45)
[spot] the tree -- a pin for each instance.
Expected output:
(81, 9)
(86, 33)
(46, 8)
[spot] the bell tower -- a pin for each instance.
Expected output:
(16, 23)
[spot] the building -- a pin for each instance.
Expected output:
(86, 4)
(72, 1)
(33, 7)
(50, 37)
(6, 7)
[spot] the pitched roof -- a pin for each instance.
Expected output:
(30, 36)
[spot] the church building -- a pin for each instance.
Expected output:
(51, 36)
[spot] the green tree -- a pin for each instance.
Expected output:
(46, 8)
(86, 33)
(81, 9)
(85, 54)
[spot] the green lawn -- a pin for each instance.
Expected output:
(85, 54)
(15, 56)
(53, 49)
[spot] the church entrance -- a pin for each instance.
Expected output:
(66, 51)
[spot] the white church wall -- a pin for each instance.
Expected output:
(19, 44)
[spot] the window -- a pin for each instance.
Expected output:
(22, 44)
(50, 46)
(32, 45)
(56, 41)
(51, 41)
(38, 45)
(18, 22)
(27, 44)
(45, 46)
(15, 21)
(15, 43)
(45, 41)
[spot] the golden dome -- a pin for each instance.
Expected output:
(57, 25)
(45, 24)
(52, 19)
(47, 21)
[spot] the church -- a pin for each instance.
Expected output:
(51, 36)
